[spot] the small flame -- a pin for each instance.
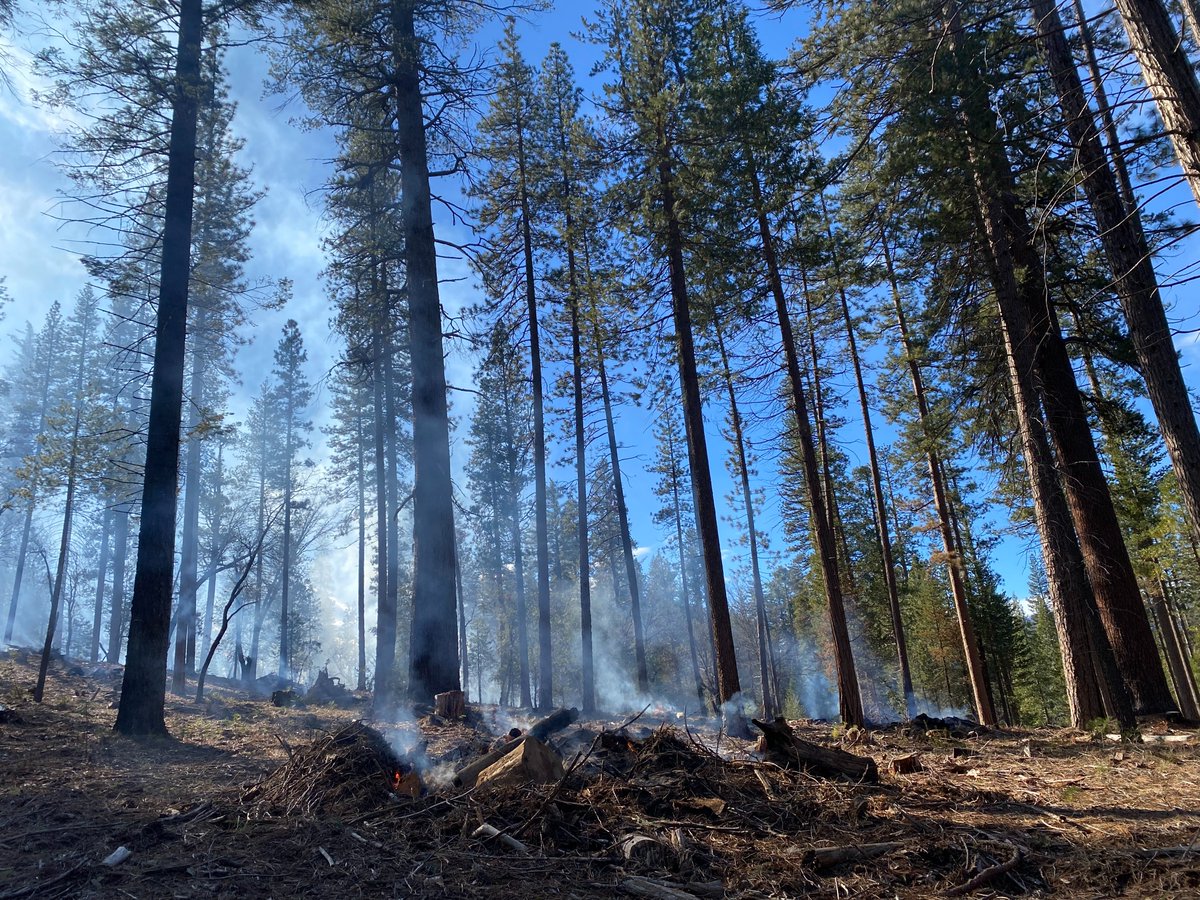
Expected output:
(396, 778)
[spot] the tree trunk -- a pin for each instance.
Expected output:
(1116, 153)
(587, 661)
(116, 618)
(1170, 78)
(881, 517)
(214, 551)
(19, 575)
(143, 691)
(462, 624)
(361, 483)
(849, 697)
(385, 623)
(683, 571)
(769, 705)
(541, 529)
(728, 684)
(101, 572)
(518, 571)
(1033, 323)
(635, 599)
(1129, 258)
(189, 540)
(433, 648)
(392, 452)
(1180, 672)
(60, 571)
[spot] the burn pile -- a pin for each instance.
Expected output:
(352, 770)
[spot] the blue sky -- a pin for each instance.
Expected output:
(38, 257)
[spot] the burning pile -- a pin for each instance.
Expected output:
(352, 770)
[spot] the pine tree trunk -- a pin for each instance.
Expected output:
(683, 571)
(189, 540)
(849, 696)
(19, 575)
(361, 483)
(725, 662)
(1033, 323)
(116, 618)
(60, 572)
(1170, 78)
(769, 707)
(462, 626)
(433, 648)
(101, 572)
(941, 501)
(1191, 15)
(1115, 152)
(587, 661)
(214, 551)
(541, 529)
(143, 691)
(392, 453)
(514, 528)
(635, 599)
(385, 622)
(1129, 258)
(881, 517)
(1180, 673)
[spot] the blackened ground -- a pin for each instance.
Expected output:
(1017, 813)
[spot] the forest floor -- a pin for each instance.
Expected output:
(651, 811)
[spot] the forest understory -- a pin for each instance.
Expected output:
(653, 808)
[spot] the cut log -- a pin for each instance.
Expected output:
(825, 857)
(450, 705)
(532, 762)
(491, 831)
(643, 850)
(469, 774)
(785, 749)
(556, 721)
(905, 765)
(656, 890)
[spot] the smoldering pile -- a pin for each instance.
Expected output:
(353, 770)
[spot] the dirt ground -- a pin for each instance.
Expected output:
(651, 811)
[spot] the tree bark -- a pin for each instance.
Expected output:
(361, 484)
(635, 598)
(189, 540)
(683, 570)
(541, 529)
(116, 618)
(1033, 323)
(433, 648)
(143, 691)
(728, 684)
(743, 473)
(881, 516)
(101, 572)
(1129, 258)
(19, 574)
(587, 660)
(849, 696)
(1170, 77)
(385, 619)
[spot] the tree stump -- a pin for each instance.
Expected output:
(450, 705)
(789, 751)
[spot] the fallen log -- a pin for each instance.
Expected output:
(469, 774)
(825, 857)
(487, 831)
(656, 890)
(782, 747)
(556, 721)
